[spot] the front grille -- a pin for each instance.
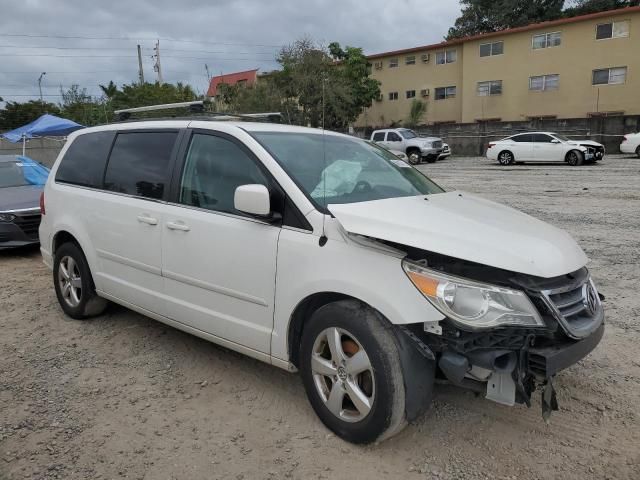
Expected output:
(437, 144)
(576, 307)
(29, 224)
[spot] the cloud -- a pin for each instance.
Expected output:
(227, 35)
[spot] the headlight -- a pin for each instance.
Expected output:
(7, 217)
(471, 303)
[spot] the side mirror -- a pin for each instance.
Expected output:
(253, 199)
(555, 140)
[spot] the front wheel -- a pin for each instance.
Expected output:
(638, 152)
(350, 366)
(414, 157)
(575, 158)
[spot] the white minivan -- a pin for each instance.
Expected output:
(319, 253)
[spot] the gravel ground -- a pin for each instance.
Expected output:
(122, 396)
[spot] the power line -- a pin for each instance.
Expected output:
(129, 56)
(38, 47)
(166, 39)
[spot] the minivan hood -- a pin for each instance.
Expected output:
(467, 227)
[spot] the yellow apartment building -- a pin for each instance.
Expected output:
(569, 68)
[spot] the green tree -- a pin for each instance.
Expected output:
(582, 7)
(79, 106)
(110, 90)
(416, 113)
(482, 16)
(137, 95)
(16, 114)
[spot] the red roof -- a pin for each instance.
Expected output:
(248, 76)
(532, 26)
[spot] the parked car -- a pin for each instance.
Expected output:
(544, 147)
(446, 151)
(631, 144)
(21, 182)
(318, 252)
(416, 147)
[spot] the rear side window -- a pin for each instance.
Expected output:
(523, 138)
(139, 164)
(84, 162)
(378, 137)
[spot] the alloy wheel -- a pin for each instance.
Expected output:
(505, 158)
(414, 158)
(70, 281)
(343, 374)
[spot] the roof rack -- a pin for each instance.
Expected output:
(197, 108)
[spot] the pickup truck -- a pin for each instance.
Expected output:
(416, 147)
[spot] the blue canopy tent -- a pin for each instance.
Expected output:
(46, 125)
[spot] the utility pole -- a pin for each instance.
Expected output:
(140, 72)
(158, 67)
(40, 88)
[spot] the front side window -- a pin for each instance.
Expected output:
(610, 76)
(393, 63)
(547, 40)
(448, 56)
(542, 138)
(333, 169)
(490, 49)
(84, 161)
(612, 30)
(493, 87)
(443, 93)
(214, 168)
(544, 82)
(139, 164)
(393, 137)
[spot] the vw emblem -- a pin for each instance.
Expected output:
(590, 298)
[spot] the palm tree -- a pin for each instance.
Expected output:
(110, 90)
(417, 111)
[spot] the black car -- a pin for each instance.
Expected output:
(21, 182)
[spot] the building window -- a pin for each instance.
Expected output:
(393, 63)
(546, 40)
(410, 60)
(610, 76)
(612, 30)
(449, 56)
(493, 87)
(393, 95)
(490, 49)
(544, 82)
(411, 93)
(443, 93)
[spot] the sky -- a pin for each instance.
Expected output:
(89, 42)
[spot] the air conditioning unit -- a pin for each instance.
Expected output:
(425, 58)
(424, 92)
(378, 65)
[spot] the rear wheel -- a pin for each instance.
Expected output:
(350, 366)
(638, 151)
(575, 158)
(505, 158)
(74, 285)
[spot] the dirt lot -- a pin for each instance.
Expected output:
(123, 396)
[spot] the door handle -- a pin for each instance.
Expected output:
(178, 226)
(144, 218)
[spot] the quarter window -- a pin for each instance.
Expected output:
(612, 30)
(547, 40)
(493, 87)
(214, 168)
(139, 164)
(411, 93)
(83, 163)
(610, 76)
(393, 63)
(490, 49)
(544, 82)
(393, 95)
(410, 60)
(443, 93)
(448, 56)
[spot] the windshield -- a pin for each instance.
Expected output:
(408, 133)
(338, 169)
(561, 137)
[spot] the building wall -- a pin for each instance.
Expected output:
(574, 60)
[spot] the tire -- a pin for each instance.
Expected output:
(638, 151)
(414, 156)
(575, 158)
(338, 332)
(74, 285)
(505, 158)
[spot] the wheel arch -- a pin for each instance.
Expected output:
(61, 237)
(580, 152)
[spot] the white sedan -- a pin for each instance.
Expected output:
(631, 144)
(544, 147)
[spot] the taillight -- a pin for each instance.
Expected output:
(624, 139)
(42, 209)
(490, 145)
